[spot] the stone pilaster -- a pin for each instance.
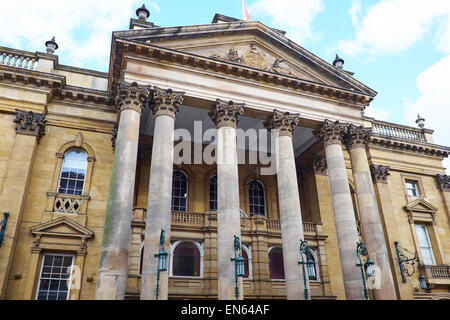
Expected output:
(380, 173)
(13, 195)
(165, 107)
(357, 138)
(331, 134)
(226, 117)
(443, 182)
(113, 269)
(282, 125)
(30, 123)
(318, 165)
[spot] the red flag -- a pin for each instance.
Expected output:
(245, 12)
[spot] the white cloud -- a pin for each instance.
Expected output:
(378, 113)
(82, 28)
(434, 102)
(391, 26)
(293, 16)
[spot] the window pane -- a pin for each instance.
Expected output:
(246, 264)
(186, 260)
(53, 279)
(256, 198)
(276, 264)
(179, 191)
(73, 172)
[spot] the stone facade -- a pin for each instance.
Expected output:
(338, 172)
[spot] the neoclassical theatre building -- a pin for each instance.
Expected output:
(90, 175)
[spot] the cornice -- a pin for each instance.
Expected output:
(410, 145)
(121, 47)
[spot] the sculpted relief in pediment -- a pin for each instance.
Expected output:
(254, 58)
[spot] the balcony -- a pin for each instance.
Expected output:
(197, 220)
(438, 275)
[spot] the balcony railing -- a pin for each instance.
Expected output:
(18, 59)
(198, 219)
(395, 131)
(438, 274)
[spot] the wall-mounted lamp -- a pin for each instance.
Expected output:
(3, 228)
(361, 250)
(162, 259)
(306, 251)
(239, 264)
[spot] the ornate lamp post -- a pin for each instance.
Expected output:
(361, 250)
(239, 267)
(306, 251)
(3, 228)
(162, 259)
(407, 265)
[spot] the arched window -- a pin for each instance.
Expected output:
(276, 264)
(186, 260)
(213, 193)
(312, 268)
(179, 191)
(256, 198)
(246, 254)
(73, 172)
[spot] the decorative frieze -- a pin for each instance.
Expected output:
(30, 123)
(166, 102)
(331, 132)
(227, 114)
(131, 97)
(380, 173)
(357, 137)
(443, 182)
(284, 122)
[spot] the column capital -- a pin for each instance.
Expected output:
(443, 182)
(283, 121)
(380, 173)
(226, 114)
(131, 97)
(331, 132)
(30, 123)
(166, 102)
(357, 137)
(318, 165)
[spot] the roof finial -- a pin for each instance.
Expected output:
(143, 13)
(420, 121)
(51, 46)
(338, 62)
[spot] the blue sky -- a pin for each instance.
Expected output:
(400, 48)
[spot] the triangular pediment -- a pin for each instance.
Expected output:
(62, 227)
(421, 205)
(251, 44)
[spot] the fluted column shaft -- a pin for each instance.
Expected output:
(331, 134)
(282, 126)
(165, 107)
(226, 117)
(113, 268)
(372, 227)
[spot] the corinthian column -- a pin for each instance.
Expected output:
(357, 139)
(165, 107)
(282, 126)
(331, 134)
(113, 269)
(226, 117)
